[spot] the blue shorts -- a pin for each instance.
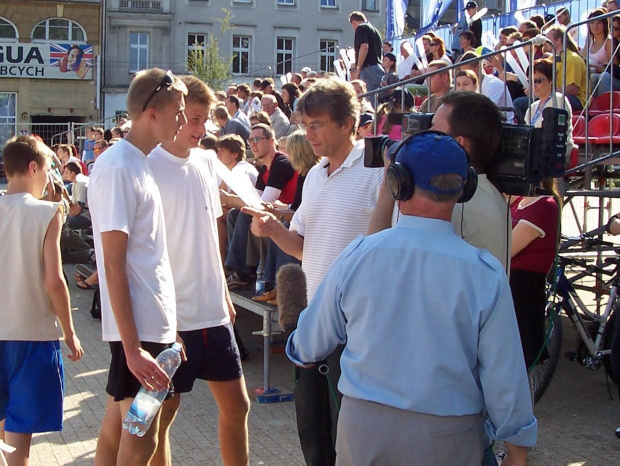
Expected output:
(32, 386)
(212, 355)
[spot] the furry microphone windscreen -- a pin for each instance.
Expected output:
(292, 295)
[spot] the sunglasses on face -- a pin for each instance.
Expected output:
(166, 82)
(616, 28)
(538, 80)
(433, 44)
(257, 139)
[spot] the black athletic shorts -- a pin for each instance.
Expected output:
(212, 354)
(121, 382)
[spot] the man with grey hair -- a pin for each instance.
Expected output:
(338, 198)
(392, 415)
(279, 123)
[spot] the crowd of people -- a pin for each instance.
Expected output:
(424, 325)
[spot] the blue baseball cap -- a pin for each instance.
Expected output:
(432, 154)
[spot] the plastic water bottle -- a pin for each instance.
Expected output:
(147, 402)
(260, 282)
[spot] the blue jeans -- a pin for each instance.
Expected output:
(607, 83)
(275, 259)
(372, 76)
(238, 227)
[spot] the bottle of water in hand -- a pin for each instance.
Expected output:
(147, 402)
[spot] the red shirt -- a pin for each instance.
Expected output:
(542, 215)
(279, 175)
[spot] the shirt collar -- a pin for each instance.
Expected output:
(356, 153)
(431, 225)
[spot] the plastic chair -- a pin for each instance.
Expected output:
(599, 128)
(601, 104)
(579, 130)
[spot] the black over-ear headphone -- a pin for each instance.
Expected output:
(399, 180)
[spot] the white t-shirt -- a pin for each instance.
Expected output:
(484, 221)
(333, 211)
(190, 195)
(123, 196)
(246, 169)
(496, 90)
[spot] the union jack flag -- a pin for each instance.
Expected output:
(60, 51)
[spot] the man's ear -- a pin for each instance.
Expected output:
(151, 114)
(32, 168)
(348, 125)
(463, 141)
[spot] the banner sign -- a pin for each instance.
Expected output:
(46, 60)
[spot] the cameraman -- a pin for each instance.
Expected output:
(484, 222)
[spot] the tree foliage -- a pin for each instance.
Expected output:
(205, 61)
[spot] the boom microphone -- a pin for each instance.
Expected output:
(292, 295)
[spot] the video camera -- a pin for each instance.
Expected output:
(526, 154)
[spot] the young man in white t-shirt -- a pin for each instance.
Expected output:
(137, 290)
(189, 189)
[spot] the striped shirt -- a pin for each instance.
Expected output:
(334, 210)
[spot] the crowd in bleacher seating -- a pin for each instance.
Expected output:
(258, 134)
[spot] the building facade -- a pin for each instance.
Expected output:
(268, 37)
(48, 66)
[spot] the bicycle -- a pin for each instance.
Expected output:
(595, 329)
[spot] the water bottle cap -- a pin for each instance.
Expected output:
(177, 347)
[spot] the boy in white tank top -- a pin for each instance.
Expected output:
(34, 296)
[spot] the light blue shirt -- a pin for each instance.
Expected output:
(429, 327)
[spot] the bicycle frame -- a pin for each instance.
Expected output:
(568, 297)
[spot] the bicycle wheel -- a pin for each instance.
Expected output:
(540, 376)
(607, 340)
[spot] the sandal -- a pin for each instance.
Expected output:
(85, 286)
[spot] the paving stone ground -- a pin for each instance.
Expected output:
(576, 416)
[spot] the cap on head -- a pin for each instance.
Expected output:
(470, 5)
(391, 56)
(396, 96)
(306, 69)
(432, 154)
(366, 118)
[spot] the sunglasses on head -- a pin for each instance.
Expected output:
(166, 82)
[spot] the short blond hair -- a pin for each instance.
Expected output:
(143, 84)
(197, 91)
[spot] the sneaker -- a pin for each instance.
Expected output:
(618, 432)
(234, 281)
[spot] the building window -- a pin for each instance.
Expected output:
(370, 5)
(285, 47)
(197, 42)
(7, 30)
(138, 51)
(286, 2)
(241, 54)
(328, 53)
(328, 4)
(242, 1)
(140, 4)
(8, 117)
(59, 29)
